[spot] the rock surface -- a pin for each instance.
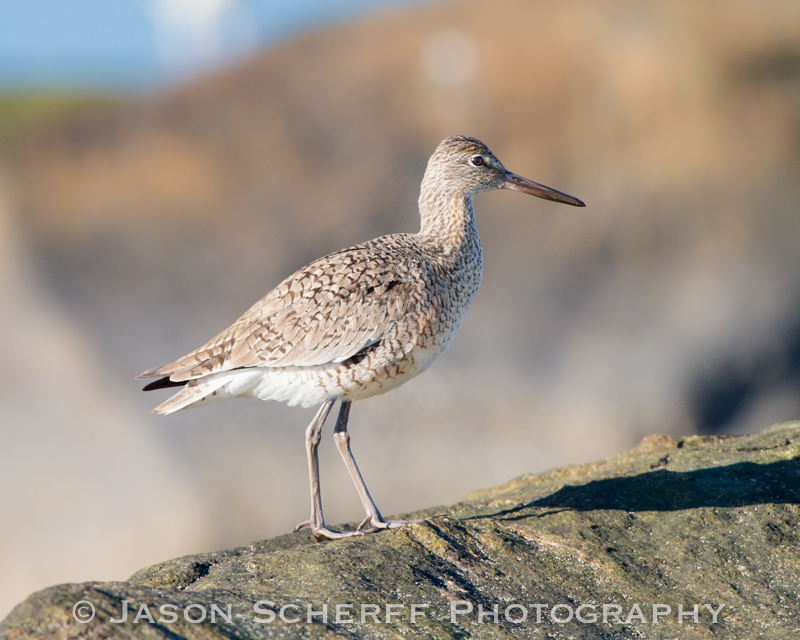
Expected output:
(707, 521)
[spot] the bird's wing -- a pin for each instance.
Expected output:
(325, 313)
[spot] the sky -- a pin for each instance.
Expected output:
(127, 45)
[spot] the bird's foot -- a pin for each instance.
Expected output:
(373, 524)
(322, 533)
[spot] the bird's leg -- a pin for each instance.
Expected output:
(374, 520)
(317, 521)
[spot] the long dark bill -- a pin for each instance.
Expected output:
(523, 185)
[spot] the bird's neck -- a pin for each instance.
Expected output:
(448, 219)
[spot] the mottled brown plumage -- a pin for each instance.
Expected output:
(360, 321)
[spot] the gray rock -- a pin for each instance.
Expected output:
(707, 521)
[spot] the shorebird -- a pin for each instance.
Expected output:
(358, 322)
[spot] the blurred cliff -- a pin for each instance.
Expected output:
(146, 225)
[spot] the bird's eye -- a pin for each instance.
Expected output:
(477, 161)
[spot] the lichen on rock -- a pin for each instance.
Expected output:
(689, 538)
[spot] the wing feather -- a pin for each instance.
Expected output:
(325, 313)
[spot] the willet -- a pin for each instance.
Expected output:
(357, 322)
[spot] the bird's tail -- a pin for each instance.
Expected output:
(194, 393)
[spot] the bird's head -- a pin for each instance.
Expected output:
(467, 165)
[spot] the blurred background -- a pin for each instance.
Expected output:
(164, 163)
